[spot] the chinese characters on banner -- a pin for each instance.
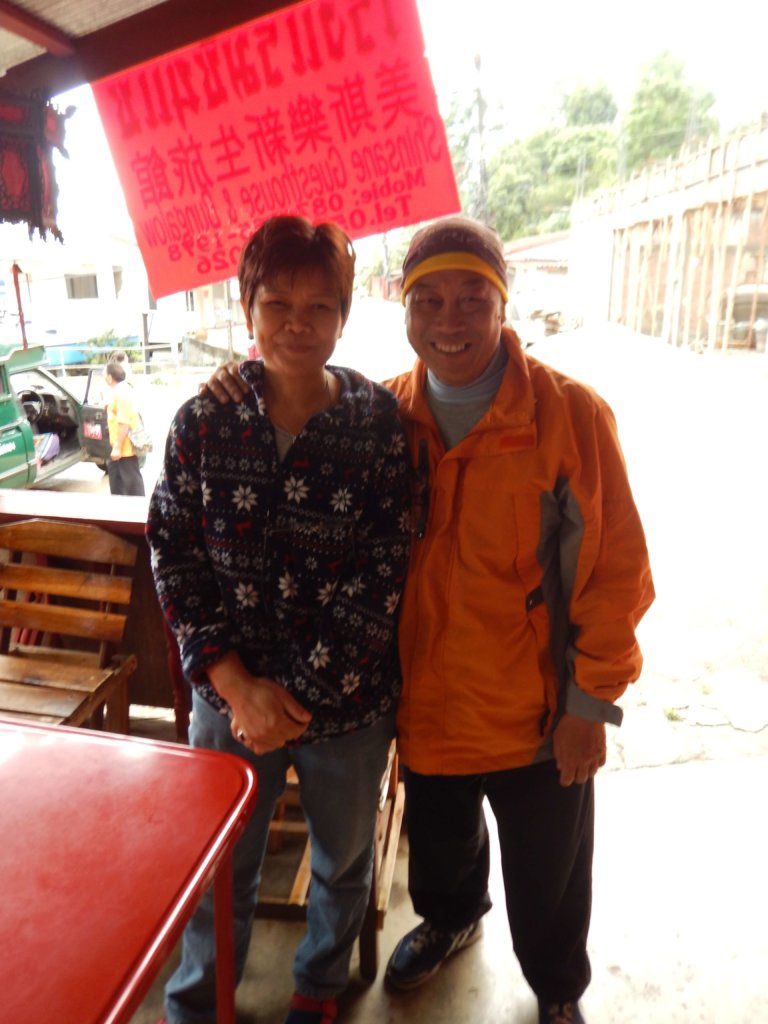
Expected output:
(325, 109)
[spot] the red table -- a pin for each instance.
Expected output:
(107, 844)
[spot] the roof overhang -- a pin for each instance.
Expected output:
(542, 252)
(49, 48)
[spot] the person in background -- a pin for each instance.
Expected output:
(122, 416)
(121, 356)
(528, 576)
(279, 533)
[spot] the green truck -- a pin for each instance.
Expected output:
(44, 428)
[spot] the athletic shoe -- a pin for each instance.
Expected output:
(560, 1013)
(421, 953)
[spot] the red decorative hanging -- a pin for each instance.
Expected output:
(29, 129)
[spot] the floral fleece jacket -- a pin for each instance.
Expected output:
(298, 566)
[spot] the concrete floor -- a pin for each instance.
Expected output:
(678, 933)
(679, 930)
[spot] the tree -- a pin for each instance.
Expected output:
(665, 113)
(528, 186)
(387, 258)
(459, 126)
(512, 179)
(532, 183)
(587, 105)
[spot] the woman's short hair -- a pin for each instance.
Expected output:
(289, 244)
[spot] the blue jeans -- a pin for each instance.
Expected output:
(339, 783)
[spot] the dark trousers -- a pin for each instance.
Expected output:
(546, 834)
(125, 476)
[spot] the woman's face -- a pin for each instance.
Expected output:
(296, 321)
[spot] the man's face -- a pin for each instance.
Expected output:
(453, 319)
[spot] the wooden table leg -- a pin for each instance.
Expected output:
(369, 934)
(225, 944)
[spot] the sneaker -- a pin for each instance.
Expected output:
(560, 1013)
(304, 1010)
(420, 953)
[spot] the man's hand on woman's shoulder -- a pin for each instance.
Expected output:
(225, 384)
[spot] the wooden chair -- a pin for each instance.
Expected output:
(293, 906)
(63, 606)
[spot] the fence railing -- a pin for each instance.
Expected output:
(78, 359)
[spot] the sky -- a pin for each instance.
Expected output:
(532, 52)
(530, 55)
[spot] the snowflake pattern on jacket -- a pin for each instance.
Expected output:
(297, 566)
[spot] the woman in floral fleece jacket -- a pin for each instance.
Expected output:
(279, 532)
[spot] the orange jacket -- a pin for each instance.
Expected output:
(532, 573)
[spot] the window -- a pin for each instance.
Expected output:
(81, 286)
(190, 296)
(117, 275)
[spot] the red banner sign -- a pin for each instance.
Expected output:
(325, 109)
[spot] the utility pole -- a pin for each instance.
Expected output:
(17, 271)
(480, 104)
(145, 341)
(230, 344)
(385, 264)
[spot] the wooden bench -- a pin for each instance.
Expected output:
(158, 680)
(63, 606)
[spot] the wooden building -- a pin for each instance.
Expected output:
(679, 252)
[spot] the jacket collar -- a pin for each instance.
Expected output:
(356, 402)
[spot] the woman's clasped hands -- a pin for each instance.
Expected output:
(264, 715)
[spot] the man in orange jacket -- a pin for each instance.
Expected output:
(528, 576)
